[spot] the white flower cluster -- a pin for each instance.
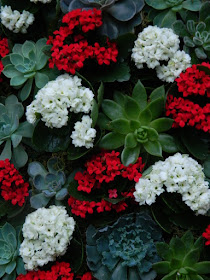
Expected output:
(16, 21)
(178, 173)
(83, 134)
(154, 45)
(57, 98)
(47, 233)
(42, 1)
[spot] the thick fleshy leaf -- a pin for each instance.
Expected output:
(18, 80)
(61, 194)
(25, 129)
(162, 124)
(10, 267)
(153, 148)
(132, 108)
(156, 107)
(140, 95)
(112, 140)
(19, 157)
(7, 152)
(41, 79)
(26, 90)
(94, 113)
(16, 59)
(130, 155)
(121, 126)
(39, 182)
(27, 47)
(204, 11)
(130, 141)
(100, 94)
(168, 143)
(202, 267)
(158, 5)
(9, 71)
(20, 266)
(192, 5)
(112, 109)
(179, 28)
(145, 117)
(16, 139)
(162, 267)
(123, 11)
(35, 168)
(191, 258)
(39, 200)
(119, 98)
(103, 121)
(165, 19)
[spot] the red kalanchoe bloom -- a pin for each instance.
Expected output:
(194, 81)
(86, 276)
(12, 184)
(4, 50)
(206, 235)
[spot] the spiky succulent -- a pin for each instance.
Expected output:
(49, 184)
(164, 12)
(10, 261)
(119, 17)
(12, 132)
(196, 34)
(126, 250)
(181, 259)
(28, 63)
(134, 124)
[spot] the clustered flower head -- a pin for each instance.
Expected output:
(71, 57)
(12, 184)
(16, 21)
(57, 98)
(184, 111)
(47, 233)
(102, 169)
(4, 50)
(178, 173)
(206, 235)
(83, 135)
(154, 45)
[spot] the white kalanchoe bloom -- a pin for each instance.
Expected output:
(83, 135)
(59, 97)
(153, 45)
(176, 65)
(16, 21)
(47, 233)
(42, 1)
(178, 173)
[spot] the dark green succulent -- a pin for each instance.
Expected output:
(12, 132)
(181, 259)
(196, 34)
(28, 63)
(164, 12)
(49, 184)
(134, 124)
(10, 261)
(119, 17)
(126, 250)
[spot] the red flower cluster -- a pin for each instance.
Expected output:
(194, 81)
(12, 184)
(185, 112)
(206, 235)
(58, 271)
(4, 50)
(103, 168)
(71, 57)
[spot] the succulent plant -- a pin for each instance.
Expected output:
(196, 34)
(119, 17)
(26, 63)
(49, 184)
(134, 123)
(12, 132)
(180, 259)
(10, 261)
(126, 250)
(164, 12)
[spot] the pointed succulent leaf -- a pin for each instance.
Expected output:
(156, 107)
(202, 267)
(145, 117)
(153, 148)
(121, 126)
(178, 247)
(130, 155)
(27, 47)
(119, 98)
(16, 139)
(139, 94)
(165, 18)
(134, 124)
(16, 59)
(132, 108)
(112, 140)
(7, 151)
(162, 124)
(112, 109)
(188, 240)
(130, 141)
(191, 258)
(152, 134)
(103, 121)
(21, 68)
(157, 93)
(164, 251)
(175, 264)
(6, 229)
(162, 267)
(60, 195)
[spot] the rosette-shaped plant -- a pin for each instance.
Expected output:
(181, 258)
(196, 34)
(126, 250)
(10, 262)
(119, 17)
(25, 64)
(12, 132)
(134, 123)
(164, 11)
(47, 184)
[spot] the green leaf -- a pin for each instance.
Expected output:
(162, 267)
(112, 109)
(162, 124)
(25, 129)
(130, 141)
(121, 126)
(179, 28)
(204, 11)
(7, 152)
(156, 107)
(188, 240)
(145, 117)
(125, 44)
(112, 140)
(35, 168)
(202, 267)
(178, 247)
(189, 42)
(132, 108)
(9, 71)
(16, 139)
(27, 47)
(130, 155)
(165, 19)
(119, 98)
(134, 125)
(158, 5)
(26, 90)
(157, 93)
(41, 79)
(139, 94)
(153, 148)
(191, 258)
(94, 113)
(175, 263)
(100, 94)
(192, 5)
(164, 251)
(18, 80)
(204, 68)
(200, 53)
(19, 157)
(39, 200)
(20, 266)
(170, 276)
(152, 134)
(168, 143)
(206, 167)
(103, 121)
(16, 59)
(10, 267)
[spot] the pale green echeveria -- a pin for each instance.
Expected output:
(119, 17)
(49, 185)
(11, 263)
(181, 259)
(28, 63)
(195, 32)
(12, 131)
(126, 250)
(135, 123)
(164, 12)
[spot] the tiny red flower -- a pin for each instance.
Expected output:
(206, 235)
